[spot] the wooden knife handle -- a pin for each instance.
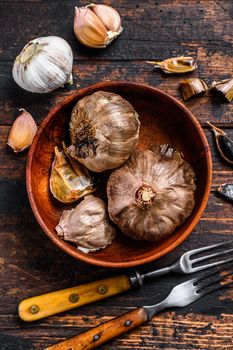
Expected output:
(49, 304)
(98, 335)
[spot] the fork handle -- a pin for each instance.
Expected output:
(98, 335)
(45, 305)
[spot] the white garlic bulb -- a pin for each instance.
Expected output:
(44, 65)
(97, 25)
(87, 225)
(104, 131)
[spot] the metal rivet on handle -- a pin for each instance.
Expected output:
(34, 309)
(102, 289)
(96, 337)
(73, 298)
(128, 323)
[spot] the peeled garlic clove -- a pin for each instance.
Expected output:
(176, 65)
(225, 87)
(224, 144)
(226, 190)
(192, 86)
(69, 180)
(87, 225)
(104, 131)
(96, 26)
(151, 193)
(44, 65)
(22, 132)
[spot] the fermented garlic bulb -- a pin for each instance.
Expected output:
(44, 65)
(87, 225)
(151, 194)
(104, 131)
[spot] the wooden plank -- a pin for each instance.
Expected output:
(12, 164)
(151, 30)
(207, 107)
(29, 262)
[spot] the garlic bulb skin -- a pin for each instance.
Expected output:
(151, 194)
(104, 131)
(87, 225)
(22, 132)
(96, 25)
(44, 65)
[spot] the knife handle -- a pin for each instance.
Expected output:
(44, 305)
(98, 335)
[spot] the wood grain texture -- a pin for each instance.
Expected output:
(29, 263)
(104, 332)
(45, 305)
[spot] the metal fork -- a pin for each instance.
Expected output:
(186, 263)
(181, 295)
(44, 305)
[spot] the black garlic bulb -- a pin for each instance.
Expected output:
(152, 193)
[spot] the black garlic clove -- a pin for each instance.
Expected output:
(226, 190)
(224, 144)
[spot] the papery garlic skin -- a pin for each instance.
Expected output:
(104, 131)
(87, 225)
(22, 132)
(97, 25)
(151, 194)
(192, 86)
(225, 87)
(44, 65)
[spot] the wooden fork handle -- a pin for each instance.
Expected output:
(45, 305)
(98, 335)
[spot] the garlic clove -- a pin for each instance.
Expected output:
(69, 180)
(176, 65)
(108, 16)
(88, 28)
(22, 132)
(96, 26)
(88, 225)
(224, 143)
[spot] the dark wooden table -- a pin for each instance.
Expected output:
(30, 264)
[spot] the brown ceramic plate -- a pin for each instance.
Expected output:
(163, 120)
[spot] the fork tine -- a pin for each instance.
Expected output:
(211, 255)
(202, 276)
(217, 284)
(215, 278)
(202, 249)
(206, 266)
